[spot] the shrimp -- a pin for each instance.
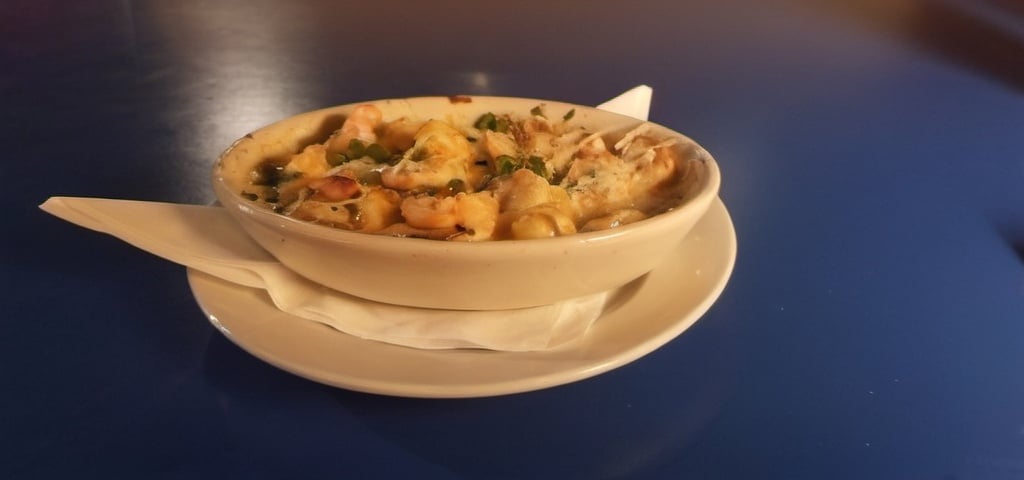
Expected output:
(335, 188)
(440, 155)
(470, 216)
(424, 211)
(360, 125)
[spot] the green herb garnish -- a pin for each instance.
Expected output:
(377, 152)
(486, 121)
(356, 148)
(536, 165)
(501, 126)
(337, 159)
(505, 164)
(489, 121)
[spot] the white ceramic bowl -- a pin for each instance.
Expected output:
(487, 275)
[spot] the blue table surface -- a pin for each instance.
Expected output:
(873, 162)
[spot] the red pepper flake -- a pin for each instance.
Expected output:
(460, 99)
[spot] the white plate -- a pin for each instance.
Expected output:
(640, 317)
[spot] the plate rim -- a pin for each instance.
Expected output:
(725, 240)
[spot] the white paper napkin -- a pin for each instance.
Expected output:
(208, 239)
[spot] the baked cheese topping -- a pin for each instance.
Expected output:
(505, 176)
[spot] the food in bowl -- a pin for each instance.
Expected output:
(394, 266)
(503, 175)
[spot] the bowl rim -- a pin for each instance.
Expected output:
(708, 189)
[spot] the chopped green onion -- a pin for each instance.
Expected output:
(505, 164)
(250, 196)
(356, 148)
(377, 152)
(501, 125)
(536, 165)
(337, 159)
(568, 115)
(489, 121)
(486, 121)
(537, 111)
